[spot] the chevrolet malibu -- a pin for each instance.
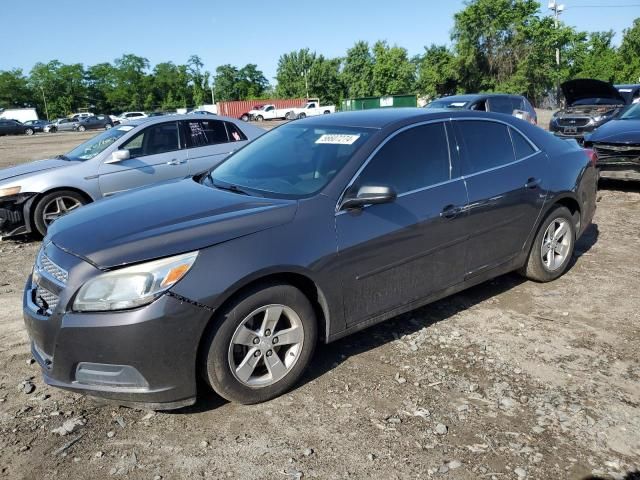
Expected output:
(128, 156)
(314, 231)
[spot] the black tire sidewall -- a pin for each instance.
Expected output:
(38, 221)
(536, 267)
(216, 368)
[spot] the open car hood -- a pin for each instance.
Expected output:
(583, 88)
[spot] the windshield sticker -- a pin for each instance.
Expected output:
(458, 104)
(625, 90)
(338, 139)
(125, 128)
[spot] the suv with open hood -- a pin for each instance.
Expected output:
(589, 104)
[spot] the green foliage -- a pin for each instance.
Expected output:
(393, 73)
(629, 55)
(437, 72)
(357, 73)
(14, 89)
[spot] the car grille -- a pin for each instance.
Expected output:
(572, 122)
(46, 300)
(50, 269)
(618, 153)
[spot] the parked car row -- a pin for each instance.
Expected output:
(312, 108)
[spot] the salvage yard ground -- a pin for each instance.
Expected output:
(508, 380)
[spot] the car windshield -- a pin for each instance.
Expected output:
(97, 144)
(292, 161)
(632, 114)
(448, 104)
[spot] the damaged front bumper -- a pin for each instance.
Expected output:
(14, 214)
(618, 162)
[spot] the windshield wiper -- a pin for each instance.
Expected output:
(231, 188)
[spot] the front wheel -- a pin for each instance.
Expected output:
(244, 118)
(53, 130)
(29, 131)
(260, 118)
(552, 248)
(81, 128)
(261, 344)
(327, 112)
(53, 206)
(108, 126)
(302, 115)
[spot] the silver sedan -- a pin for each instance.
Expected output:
(137, 154)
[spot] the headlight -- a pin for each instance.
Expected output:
(6, 192)
(134, 286)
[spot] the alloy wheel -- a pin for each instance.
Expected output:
(556, 244)
(58, 207)
(266, 345)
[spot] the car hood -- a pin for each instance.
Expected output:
(33, 167)
(583, 88)
(163, 220)
(617, 131)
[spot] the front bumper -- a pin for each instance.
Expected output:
(144, 357)
(14, 214)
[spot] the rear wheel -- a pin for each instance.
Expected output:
(29, 131)
(552, 248)
(108, 126)
(327, 112)
(261, 344)
(244, 118)
(302, 115)
(53, 206)
(260, 118)
(53, 130)
(81, 128)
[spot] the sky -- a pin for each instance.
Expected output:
(250, 31)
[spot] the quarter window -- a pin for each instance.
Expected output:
(413, 159)
(521, 146)
(485, 145)
(153, 140)
(201, 133)
(235, 134)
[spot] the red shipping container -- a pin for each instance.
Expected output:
(237, 108)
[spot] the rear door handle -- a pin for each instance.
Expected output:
(450, 211)
(532, 183)
(175, 161)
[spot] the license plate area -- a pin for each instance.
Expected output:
(570, 130)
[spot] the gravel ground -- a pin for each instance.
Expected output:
(508, 380)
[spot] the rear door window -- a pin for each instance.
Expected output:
(484, 144)
(202, 133)
(501, 105)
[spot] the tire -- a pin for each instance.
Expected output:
(302, 115)
(29, 131)
(45, 207)
(108, 126)
(289, 116)
(222, 358)
(244, 118)
(81, 128)
(53, 130)
(326, 112)
(540, 267)
(260, 118)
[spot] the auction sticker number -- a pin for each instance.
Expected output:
(338, 139)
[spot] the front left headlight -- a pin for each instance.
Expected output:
(133, 286)
(8, 191)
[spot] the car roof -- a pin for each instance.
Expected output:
(380, 118)
(177, 116)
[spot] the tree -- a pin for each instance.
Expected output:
(596, 57)
(357, 73)
(292, 74)
(130, 87)
(437, 72)
(253, 83)
(629, 55)
(63, 85)
(227, 84)
(100, 80)
(14, 89)
(393, 73)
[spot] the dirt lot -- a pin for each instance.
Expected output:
(508, 380)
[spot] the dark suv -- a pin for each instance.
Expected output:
(515, 105)
(589, 104)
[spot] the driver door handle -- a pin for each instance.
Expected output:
(532, 183)
(451, 211)
(175, 161)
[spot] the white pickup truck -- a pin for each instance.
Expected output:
(270, 112)
(313, 108)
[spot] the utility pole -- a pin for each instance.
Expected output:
(557, 9)
(213, 97)
(305, 74)
(46, 110)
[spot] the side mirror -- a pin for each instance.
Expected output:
(119, 156)
(368, 195)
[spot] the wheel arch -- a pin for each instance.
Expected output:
(573, 205)
(34, 201)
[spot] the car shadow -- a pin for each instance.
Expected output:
(328, 357)
(588, 239)
(626, 186)
(629, 476)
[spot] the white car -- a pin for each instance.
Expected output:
(312, 109)
(126, 116)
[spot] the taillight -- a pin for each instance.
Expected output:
(592, 155)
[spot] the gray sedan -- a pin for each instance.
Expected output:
(62, 125)
(128, 156)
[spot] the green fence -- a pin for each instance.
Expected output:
(367, 103)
